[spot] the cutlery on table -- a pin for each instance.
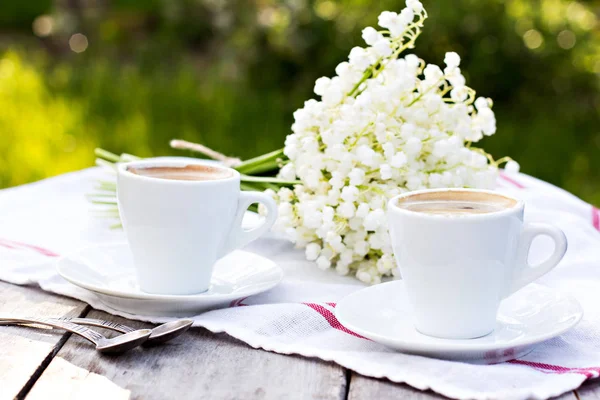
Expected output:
(103, 344)
(160, 333)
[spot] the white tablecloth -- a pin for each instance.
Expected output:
(40, 221)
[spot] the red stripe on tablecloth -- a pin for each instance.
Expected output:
(8, 246)
(512, 181)
(589, 372)
(596, 218)
(332, 320)
(14, 245)
(238, 302)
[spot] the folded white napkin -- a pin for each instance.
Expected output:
(40, 221)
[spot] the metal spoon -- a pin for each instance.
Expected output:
(160, 333)
(103, 344)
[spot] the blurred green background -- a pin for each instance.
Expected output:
(128, 75)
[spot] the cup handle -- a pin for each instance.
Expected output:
(238, 237)
(526, 273)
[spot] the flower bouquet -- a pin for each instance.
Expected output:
(384, 124)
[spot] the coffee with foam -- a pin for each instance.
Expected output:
(455, 202)
(190, 172)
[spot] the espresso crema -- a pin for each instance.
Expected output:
(185, 173)
(456, 202)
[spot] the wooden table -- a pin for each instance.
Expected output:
(49, 364)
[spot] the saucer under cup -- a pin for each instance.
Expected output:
(108, 271)
(529, 317)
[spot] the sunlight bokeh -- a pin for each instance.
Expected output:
(130, 75)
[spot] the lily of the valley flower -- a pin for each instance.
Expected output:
(383, 125)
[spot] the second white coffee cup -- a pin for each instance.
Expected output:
(457, 268)
(178, 229)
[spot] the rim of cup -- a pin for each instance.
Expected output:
(123, 170)
(516, 208)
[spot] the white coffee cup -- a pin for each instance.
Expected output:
(178, 229)
(457, 268)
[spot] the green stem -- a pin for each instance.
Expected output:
(502, 161)
(99, 195)
(113, 202)
(108, 184)
(268, 166)
(256, 162)
(251, 187)
(366, 75)
(487, 155)
(420, 96)
(107, 155)
(264, 179)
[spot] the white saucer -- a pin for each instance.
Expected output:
(108, 271)
(530, 316)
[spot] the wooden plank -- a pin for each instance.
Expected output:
(363, 388)
(25, 352)
(590, 390)
(198, 364)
